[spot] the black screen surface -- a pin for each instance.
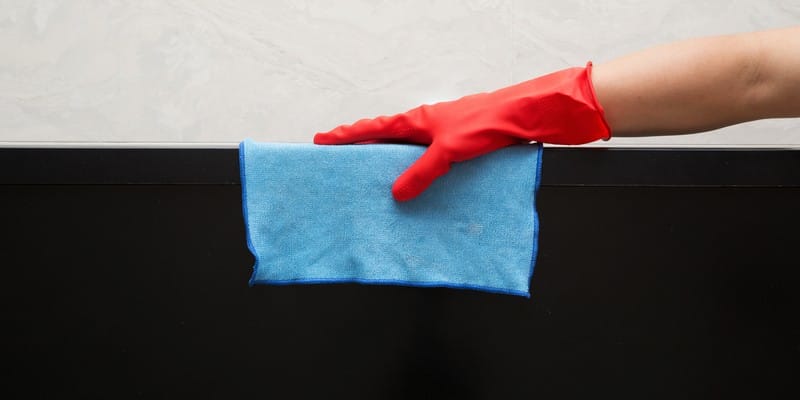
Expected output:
(642, 289)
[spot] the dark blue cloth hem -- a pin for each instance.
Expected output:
(391, 282)
(244, 212)
(536, 183)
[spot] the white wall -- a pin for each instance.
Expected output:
(90, 72)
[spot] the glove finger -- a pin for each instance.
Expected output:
(393, 127)
(411, 183)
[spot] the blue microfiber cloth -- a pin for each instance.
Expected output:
(325, 214)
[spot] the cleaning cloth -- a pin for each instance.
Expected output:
(325, 214)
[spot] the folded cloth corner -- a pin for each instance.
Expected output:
(325, 214)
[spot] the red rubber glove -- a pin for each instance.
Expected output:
(558, 108)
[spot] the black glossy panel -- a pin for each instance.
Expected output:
(140, 291)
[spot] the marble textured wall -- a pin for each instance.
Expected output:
(214, 71)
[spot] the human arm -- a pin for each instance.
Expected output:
(702, 84)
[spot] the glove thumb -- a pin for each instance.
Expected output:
(431, 165)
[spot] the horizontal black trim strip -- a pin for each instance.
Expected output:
(671, 167)
(561, 167)
(119, 166)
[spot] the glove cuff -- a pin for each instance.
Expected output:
(596, 103)
(558, 108)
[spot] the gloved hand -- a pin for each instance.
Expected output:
(558, 108)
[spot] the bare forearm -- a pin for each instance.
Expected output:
(702, 84)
